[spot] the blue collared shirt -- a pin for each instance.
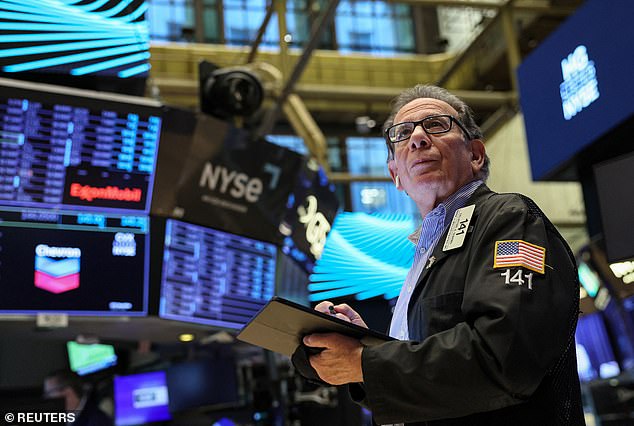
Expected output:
(426, 237)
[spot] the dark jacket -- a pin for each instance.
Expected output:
(486, 349)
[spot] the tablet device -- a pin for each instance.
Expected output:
(281, 324)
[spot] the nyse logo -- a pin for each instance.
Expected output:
(238, 185)
(317, 226)
(580, 86)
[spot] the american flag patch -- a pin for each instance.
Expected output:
(519, 253)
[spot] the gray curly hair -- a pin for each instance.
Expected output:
(465, 114)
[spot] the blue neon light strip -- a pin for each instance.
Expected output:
(63, 47)
(89, 69)
(113, 11)
(42, 17)
(88, 7)
(134, 71)
(61, 60)
(365, 256)
(65, 15)
(57, 10)
(136, 14)
(27, 9)
(46, 27)
(73, 26)
(96, 35)
(55, 15)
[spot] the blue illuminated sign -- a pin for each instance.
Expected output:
(577, 85)
(580, 86)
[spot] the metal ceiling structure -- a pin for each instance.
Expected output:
(332, 89)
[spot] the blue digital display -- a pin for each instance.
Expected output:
(595, 356)
(62, 261)
(63, 148)
(365, 256)
(580, 86)
(141, 398)
(213, 277)
(575, 86)
(95, 37)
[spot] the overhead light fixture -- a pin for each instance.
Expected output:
(186, 337)
(364, 124)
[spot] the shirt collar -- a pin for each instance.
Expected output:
(450, 205)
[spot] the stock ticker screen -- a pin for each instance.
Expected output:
(213, 277)
(67, 148)
(75, 263)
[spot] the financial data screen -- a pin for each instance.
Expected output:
(76, 263)
(213, 277)
(65, 149)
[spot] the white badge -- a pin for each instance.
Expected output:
(458, 228)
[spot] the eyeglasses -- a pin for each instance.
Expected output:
(432, 125)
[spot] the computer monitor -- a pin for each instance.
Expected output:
(75, 263)
(75, 149)
(86, 359)
(141, 398)
(616, 205)
(620, 326)
(292, 280)
(595, 356)
(204, 382)
(213, 277)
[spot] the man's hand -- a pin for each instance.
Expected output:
(340, 361)
(343, 311)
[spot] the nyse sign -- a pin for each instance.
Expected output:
(580, 86)
(316, 224)
(221, 179)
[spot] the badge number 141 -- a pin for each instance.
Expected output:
(518, 278)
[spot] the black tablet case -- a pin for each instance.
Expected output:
(281, 324)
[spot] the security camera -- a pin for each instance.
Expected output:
(229, 92)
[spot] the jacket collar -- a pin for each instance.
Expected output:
(479, 196)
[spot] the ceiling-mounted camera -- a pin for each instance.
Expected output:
(229, 92)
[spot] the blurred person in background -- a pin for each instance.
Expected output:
(67, 385)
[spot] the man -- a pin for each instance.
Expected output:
(485, 319)
(67, 385)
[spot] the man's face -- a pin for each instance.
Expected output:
(53, 390)
(432, 167)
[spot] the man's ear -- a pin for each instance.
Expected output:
(478, 155)
(391, 165)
